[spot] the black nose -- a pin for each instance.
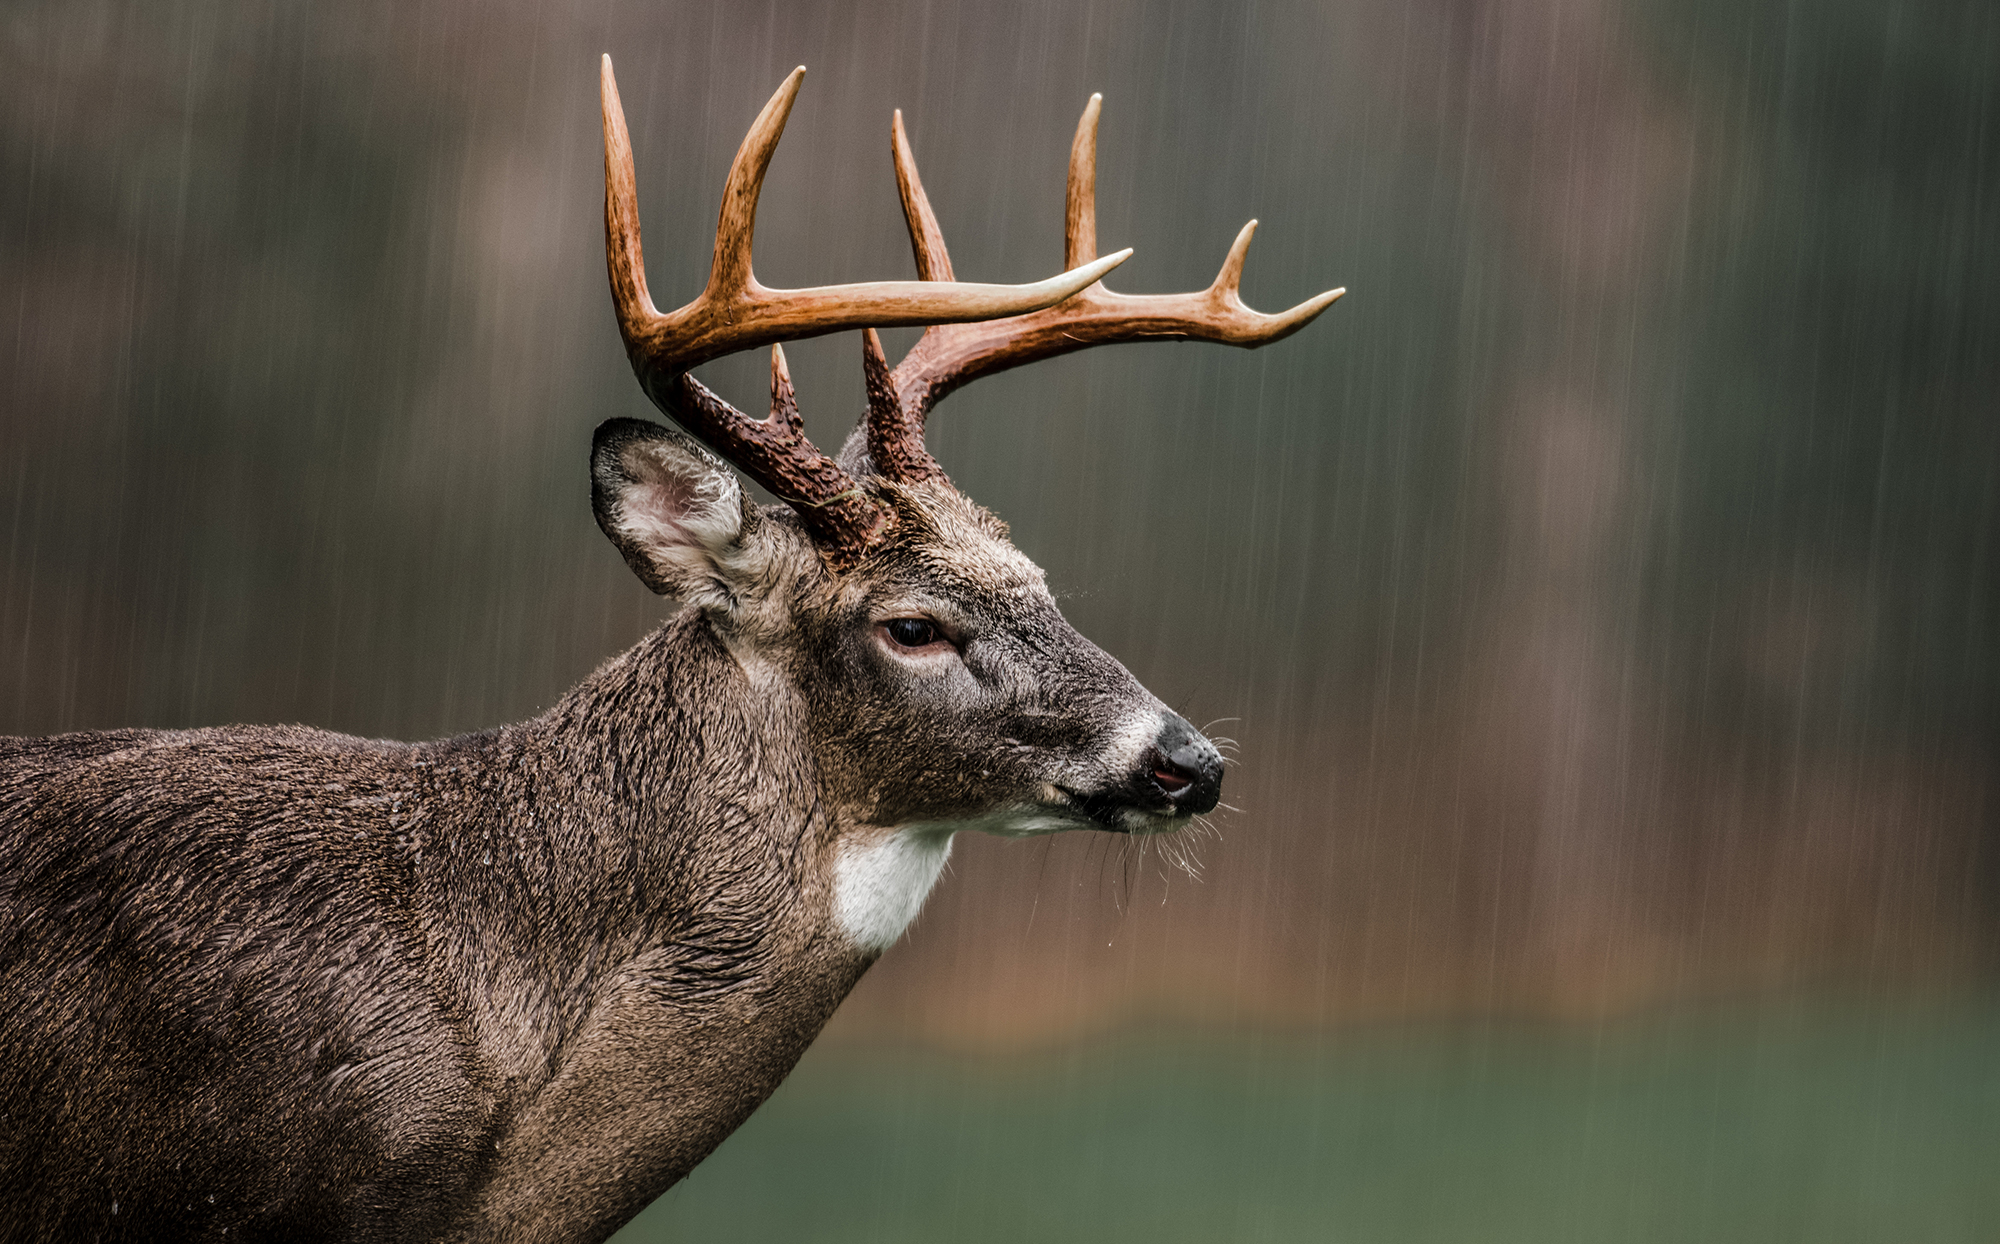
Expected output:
(1186, 767)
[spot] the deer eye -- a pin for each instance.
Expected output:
(913, 632)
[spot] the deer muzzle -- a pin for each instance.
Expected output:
(1178, 775)
(1185, 768)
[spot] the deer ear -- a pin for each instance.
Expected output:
(673, 508)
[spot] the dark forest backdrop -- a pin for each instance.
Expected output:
(1604, 594)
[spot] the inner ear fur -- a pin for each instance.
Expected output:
(673, 509)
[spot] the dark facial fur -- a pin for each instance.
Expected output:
(1011, 727)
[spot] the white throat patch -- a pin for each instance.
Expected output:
(879, 888)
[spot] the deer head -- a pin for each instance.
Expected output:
(942, 688)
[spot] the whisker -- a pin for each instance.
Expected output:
(1183, 850)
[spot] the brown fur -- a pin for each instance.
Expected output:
(276, 983)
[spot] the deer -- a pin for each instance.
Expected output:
(278, 983)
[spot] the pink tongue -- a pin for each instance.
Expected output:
(1172, 781)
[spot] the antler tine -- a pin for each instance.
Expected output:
(623, 255)
(729, 272)
(1226, 290)
(895, 438)
(952, 355)
(1080, 194)
(926, 239)
(784, 398)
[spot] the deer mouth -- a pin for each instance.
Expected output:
(1175, 777)
(1115, 811)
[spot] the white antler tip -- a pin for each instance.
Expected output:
(1098, 267)
(1311, 307)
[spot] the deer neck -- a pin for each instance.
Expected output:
(669, 975)
(739, 712)
(678, 844)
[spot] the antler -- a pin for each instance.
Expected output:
(948, 356)
(736, 312)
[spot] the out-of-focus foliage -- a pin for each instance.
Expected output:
(1840, 315)
(1603, 595)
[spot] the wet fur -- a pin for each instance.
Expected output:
(277, 983)
(293, 985)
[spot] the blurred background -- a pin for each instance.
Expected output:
(1603, 594)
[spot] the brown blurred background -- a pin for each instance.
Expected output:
(1603, 595)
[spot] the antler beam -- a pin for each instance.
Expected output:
(736, 311)
(948, 356)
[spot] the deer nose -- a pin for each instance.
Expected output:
(1186, 767)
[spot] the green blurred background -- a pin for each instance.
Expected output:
(1603, 595)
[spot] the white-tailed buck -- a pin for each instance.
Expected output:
(272, 983)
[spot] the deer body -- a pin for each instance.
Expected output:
(504, 980)
(278, 983)
(514, 984)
